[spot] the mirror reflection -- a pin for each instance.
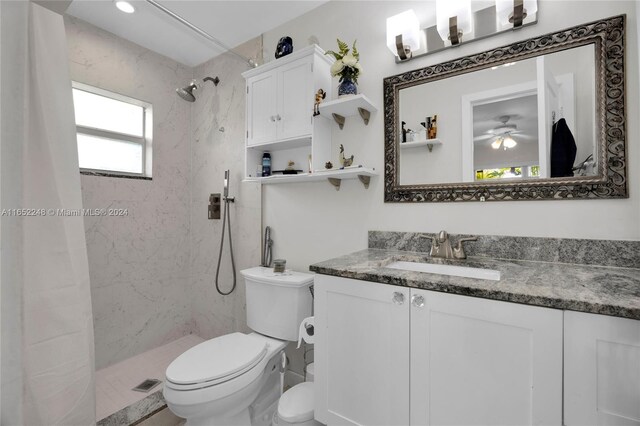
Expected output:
(528, 119)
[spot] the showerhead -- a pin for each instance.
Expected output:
(186, 93)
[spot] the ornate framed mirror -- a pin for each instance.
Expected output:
(542, 118)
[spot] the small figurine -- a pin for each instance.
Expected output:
(345, 162)
(285, 46)
(319, 98)
(328, 165)
(290, 165)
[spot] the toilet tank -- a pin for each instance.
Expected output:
(277, 302)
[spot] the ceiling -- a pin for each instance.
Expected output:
(231, 22)
(522, 111)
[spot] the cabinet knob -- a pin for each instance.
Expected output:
(398, 298)
(278, 117)
(273, 118)
(417, 301)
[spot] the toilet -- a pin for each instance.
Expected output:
(235, 379)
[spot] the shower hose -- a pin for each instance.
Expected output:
(233, 264)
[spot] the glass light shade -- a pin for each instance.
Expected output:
(504, 9)
(407, 24)
(125, 6)
(446, 9)
(496, 144)
(508, 142)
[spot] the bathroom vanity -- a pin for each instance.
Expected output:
(550, 342)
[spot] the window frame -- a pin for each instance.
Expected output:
(146, 140)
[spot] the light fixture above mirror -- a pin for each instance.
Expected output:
(457, 22)
(403, 34)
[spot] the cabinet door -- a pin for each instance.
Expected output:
(361, 352)
(484, 362)
(295, 99)
(261, 108)
(602, 370)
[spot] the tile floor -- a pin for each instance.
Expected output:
(163, 417)
(114, 383)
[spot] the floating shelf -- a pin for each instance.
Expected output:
(429, 143)
(335, 177)
(346, 106)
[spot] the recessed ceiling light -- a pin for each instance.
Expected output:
(125, 6)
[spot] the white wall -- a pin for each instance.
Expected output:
(313, 222)
(138, 264)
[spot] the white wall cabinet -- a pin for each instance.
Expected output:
(393, 355)
(280, 120)
(280, 103)
(601, 370)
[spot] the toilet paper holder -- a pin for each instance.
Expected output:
(307, 331)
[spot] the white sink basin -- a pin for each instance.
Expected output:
(456, 271)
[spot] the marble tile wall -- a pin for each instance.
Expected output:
(218, 122)
(139, 264)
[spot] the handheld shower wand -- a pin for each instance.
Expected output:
(227, 200)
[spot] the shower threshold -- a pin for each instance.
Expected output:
(116, 401)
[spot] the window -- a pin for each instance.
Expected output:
(114, 132)
(508, 173)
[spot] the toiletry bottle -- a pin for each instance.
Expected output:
(404, 132)
(434, 127)
(266, 164)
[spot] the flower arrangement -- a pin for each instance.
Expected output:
(346, 66)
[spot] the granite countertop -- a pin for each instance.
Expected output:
(603, 290)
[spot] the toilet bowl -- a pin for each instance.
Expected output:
(235, 379)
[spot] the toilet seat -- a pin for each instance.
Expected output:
(296, 404)
(216, 361)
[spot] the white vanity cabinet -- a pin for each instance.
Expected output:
(479, 361)
(397, 356)
(601, 370)
(280, 107)
(361, 352)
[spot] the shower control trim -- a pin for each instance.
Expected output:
(213, 210)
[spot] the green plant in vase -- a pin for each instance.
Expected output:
(347, 67)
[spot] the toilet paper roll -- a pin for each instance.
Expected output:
(306, 331)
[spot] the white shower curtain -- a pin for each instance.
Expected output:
(57, 327)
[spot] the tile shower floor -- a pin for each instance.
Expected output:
(114, 383)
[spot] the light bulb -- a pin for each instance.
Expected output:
(509, 142)
(125, 6)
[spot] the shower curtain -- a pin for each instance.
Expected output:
(56, 322)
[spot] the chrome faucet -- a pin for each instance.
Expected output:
(441, 247)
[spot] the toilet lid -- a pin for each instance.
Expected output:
(217, 358)
(296, 404)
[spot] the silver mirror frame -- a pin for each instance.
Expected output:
(608, 38)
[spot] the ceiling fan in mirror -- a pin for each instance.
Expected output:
(502, 134)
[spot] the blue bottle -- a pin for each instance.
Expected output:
(266, 164)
